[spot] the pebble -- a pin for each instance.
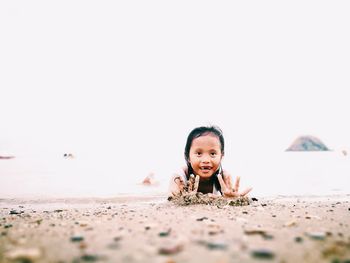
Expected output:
(298, 239)
(255, 232)
(290, 223)
(220, 245)
(263, 253)
(268, 237)
(83, 245)
(89, 258)
(39, 221)
(76, 238)
(170, 248)
(313, 217)
(317, 235)
(24, 254)
(213, 228)
(118, 238)
(83, 223)
(14, 212)
(165, 233)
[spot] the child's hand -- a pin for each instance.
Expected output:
(227, 189)
(177, 186)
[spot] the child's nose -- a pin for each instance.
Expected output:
(205, 159)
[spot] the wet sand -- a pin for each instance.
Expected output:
(152, 229)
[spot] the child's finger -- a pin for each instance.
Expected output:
(181, 186)
(230, 182)
(191, 183)
(245, 192)
(196, 184)
(222, 183)
(237, 184)
(179, 181)
(227, 180)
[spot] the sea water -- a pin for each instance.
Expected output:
(284, 173)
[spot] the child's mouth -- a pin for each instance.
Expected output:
(205, 169)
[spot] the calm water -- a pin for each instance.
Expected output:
(287, 173)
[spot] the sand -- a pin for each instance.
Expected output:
(152, 229)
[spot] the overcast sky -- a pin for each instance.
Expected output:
(128, 80)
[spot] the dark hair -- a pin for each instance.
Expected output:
(200, 131)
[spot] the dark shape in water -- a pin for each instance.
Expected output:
(308, 143)
(68, 156)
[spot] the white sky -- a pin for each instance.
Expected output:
(127, 80)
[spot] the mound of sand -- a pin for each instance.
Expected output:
(200, 198)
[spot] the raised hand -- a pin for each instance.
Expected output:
(180, 187)
(177, 186)
(227, 189)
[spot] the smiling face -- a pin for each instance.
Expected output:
(205, 155)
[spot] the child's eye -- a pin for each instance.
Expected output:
(199, 154)
(213, 154)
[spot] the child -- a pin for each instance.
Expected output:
(204, 151)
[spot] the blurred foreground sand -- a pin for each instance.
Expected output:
(151, 229)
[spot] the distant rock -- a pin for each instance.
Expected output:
(308, 143)
(6, 157)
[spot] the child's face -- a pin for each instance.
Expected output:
(205, 155)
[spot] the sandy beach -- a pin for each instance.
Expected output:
(152, 229)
